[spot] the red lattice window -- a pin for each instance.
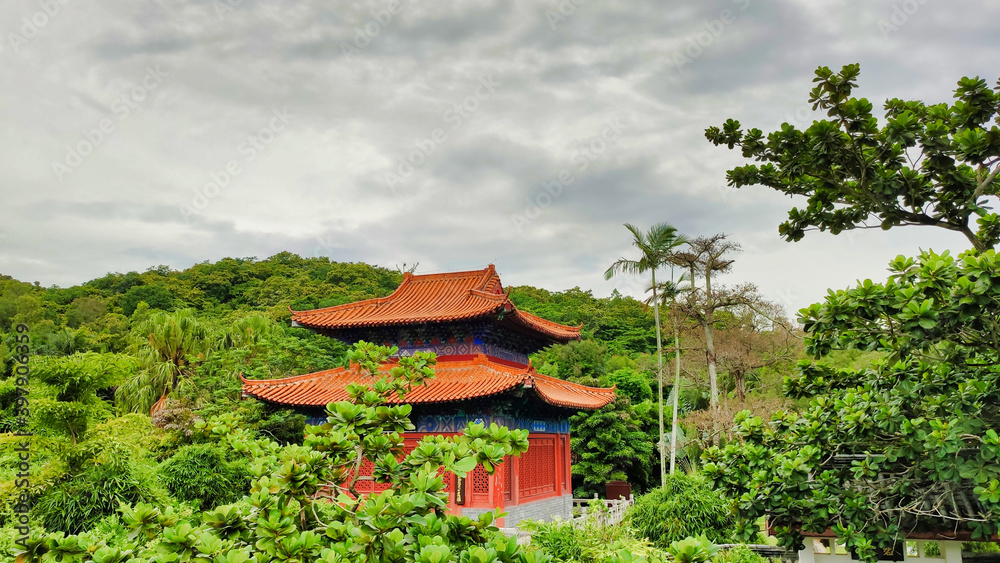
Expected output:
(480, 480)
(537, 468)
(362, 485)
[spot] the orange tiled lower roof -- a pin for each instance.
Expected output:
(456, 378)
(434, 298)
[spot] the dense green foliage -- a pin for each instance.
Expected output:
(740, 553)
(615, 443)
(929, 164)
(910, 441)
(78, 484)
(629, 382)
(75, 505)
(905, 443)
(201, 473)
(686, 507)
(288, 521)
(69, 403)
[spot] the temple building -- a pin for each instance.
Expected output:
(483, 374)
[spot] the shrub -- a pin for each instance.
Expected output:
(79, 503)
(686, 507)
(740, 554)
(561, 540)
(591, 542)
(201, 474)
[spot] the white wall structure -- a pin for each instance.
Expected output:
(828, 550)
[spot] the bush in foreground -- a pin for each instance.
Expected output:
(201, 474)
(686, 507)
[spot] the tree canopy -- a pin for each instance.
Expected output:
(906, 445)
(925, 164)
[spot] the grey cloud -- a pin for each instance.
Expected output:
(319, 189)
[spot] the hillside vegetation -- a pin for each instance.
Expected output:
(102, 352)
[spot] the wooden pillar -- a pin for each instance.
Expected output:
(567, 455)
(497, 481)
(496, 492)
(558, 463)
(515, 485)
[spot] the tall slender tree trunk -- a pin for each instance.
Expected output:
(710, 356)
(677, 386)
(659, 379)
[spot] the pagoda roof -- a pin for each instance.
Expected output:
(456, 378)
(437, 298)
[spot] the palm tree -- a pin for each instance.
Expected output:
(166, 343)
(655, 246)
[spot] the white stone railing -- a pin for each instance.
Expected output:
(606, 512)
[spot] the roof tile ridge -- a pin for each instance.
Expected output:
(445, 275)
(488, 274)
(294, 378)
(407, 276)
(498, 297)
(341, 307)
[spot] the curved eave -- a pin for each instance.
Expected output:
(571, 395)
(554, 331)
(458, 378)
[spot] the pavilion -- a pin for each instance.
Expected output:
(483, 374)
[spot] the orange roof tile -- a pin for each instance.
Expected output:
(435, 298)
(456, 378)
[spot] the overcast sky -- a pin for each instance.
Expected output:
(137, 133)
